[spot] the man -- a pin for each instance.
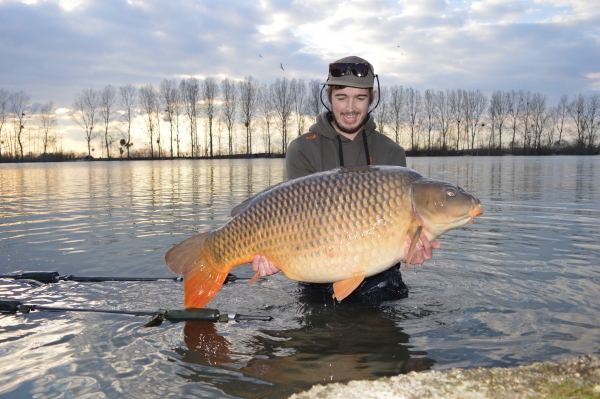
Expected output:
(346, 136)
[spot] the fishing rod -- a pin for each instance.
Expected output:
(54, 277)
(173, 315)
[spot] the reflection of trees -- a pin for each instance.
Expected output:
(332, 344)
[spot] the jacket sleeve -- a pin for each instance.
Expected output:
(297, 162)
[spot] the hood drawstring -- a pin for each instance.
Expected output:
(364, 134)
(341, 152)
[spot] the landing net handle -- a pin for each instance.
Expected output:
(54, 277)
(173, 315)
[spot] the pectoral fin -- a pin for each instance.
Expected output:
(342, 289)
(414, 239)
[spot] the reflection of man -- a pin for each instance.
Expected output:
(346, 136)
(320, 344)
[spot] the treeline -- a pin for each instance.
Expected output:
(507, 122)
(207, 118)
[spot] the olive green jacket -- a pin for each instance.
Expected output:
(318, 150)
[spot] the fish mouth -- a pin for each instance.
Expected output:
(475, 210)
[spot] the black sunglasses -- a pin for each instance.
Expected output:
(360, 70)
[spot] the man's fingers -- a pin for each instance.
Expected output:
(263, 267)
(255, 263)
(426, 246)
(423, 249)
(272, 268)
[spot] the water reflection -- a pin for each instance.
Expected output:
(520, 285)
(332, 344)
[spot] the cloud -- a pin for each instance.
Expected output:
(595, 78)
(53, 49)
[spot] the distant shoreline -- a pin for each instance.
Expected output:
(569, 151)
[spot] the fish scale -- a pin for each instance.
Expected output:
(336, 226)
(327, 221)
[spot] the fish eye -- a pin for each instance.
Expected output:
(450, 192)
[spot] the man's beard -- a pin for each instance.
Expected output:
(348, 131)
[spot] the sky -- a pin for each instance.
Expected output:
(54, 49)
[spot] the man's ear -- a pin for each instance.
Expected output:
(374, 95)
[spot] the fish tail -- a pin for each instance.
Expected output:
(202, 277)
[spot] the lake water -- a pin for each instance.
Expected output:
(522, 284)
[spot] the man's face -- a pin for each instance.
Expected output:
(350, 106)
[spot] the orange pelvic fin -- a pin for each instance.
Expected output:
(202, 279)
(414, 239)
(341, 289)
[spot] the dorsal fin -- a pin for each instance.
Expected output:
(247, 201)
(358, 169)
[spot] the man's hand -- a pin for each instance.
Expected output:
(263, 267)
(423, 250)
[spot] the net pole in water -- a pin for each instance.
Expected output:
(173, 315)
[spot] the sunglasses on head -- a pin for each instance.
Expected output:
(360, 70)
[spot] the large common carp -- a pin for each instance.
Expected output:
(338, 226)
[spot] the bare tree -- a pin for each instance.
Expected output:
(503, 111)
(22, 111)
(455, 100)
(429, 108)
(85, 110)
(158, 109)
(313, 103)
(127, 104)
(265, 107)
(396, 109)
(553, 126)
(414, 114)
(249, 106)
(284, 105)
(210, 92)
(382, 112)
(526, 119)
(148, 102)
(498, 111)
(466, 112)
(230, 103)
(476, 104)
(592, 104)
(539, 118)
(55, 141)
(515, 109)
(107, 100)
(190, 93)
(577, 110)
(4, 104)
(298, 88)
(561, 111)
(443, 116)
(176, 116)
(47, 123)
(170, 97)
